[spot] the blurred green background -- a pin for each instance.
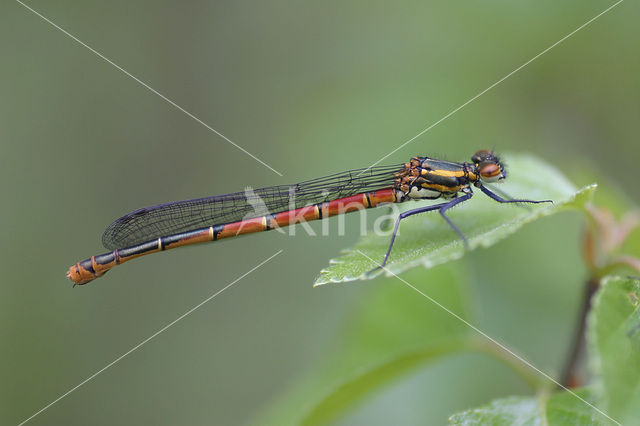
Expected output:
(310, 88)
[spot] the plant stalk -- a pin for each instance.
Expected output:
(570, 377)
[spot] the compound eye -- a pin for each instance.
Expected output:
(490, 170)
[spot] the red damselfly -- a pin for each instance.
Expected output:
(166, 226)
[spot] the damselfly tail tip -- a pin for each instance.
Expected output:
(68, 274)
(79, 275)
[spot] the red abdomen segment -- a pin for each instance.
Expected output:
(96, 266)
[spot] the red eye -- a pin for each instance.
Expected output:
(489, 170)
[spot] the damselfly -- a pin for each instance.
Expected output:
(166, 226)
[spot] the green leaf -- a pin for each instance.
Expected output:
(388, 322)
(428, 240)
(345, 396)
(352, 391)
(562, 408)
(508, 411)
(614, 347)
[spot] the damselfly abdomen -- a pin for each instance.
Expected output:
(166, 226)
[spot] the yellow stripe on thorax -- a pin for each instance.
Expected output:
(444, 173)
(441, 188)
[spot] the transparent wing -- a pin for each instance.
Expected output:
(149, 223)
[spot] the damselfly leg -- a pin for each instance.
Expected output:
(442, 208)
(502, 200)
(501, 193)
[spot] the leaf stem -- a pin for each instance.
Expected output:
(569, 377)
(490, 348)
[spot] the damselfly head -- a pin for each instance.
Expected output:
(489, 166)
